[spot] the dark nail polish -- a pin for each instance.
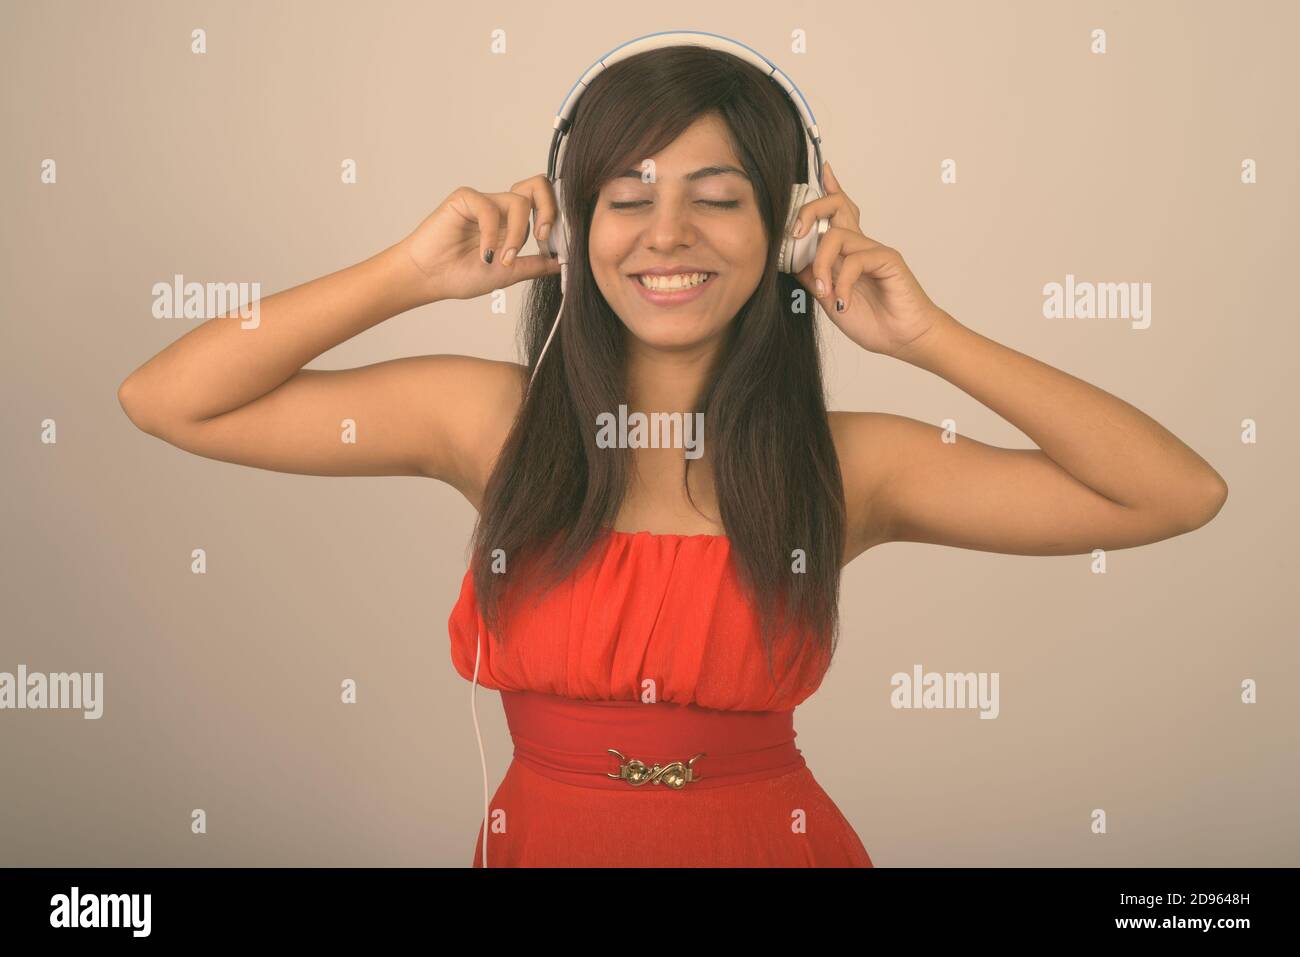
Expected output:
(839, 305)
(487, 256)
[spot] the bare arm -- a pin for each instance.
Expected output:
(1106, 475)
(237, 391)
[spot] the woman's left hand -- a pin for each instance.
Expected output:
(885, 308)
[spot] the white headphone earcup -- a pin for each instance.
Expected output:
(797, 253)
(556, 242)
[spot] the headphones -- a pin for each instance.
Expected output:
(795, 253)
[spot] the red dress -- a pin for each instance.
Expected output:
(664, 612)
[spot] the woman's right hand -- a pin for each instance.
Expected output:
(450, 248)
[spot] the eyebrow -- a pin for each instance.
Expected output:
(698, 174)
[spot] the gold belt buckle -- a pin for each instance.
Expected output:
(675, 775)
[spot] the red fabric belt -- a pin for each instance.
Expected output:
(566, 739)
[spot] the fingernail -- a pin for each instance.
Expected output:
(509, 256)
(839, 305)
(543, 230)
(821, 288)
(798, 229)
(487, 256)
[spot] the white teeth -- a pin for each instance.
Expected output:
(669, 283)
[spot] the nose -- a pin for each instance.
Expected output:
(671, 226)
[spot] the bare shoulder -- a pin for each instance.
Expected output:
(475, 402)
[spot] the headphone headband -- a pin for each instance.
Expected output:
(669, 38)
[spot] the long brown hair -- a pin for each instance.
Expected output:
(553, 491)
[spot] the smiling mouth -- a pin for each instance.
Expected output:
(673, 283)
(670, 290)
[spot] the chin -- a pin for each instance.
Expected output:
(674, 333)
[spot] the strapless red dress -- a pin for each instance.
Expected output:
(652, 645)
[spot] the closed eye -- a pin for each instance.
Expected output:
(720, 204)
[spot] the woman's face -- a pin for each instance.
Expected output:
(699, 215)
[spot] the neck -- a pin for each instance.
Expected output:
(660, 381)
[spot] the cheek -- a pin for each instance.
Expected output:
(745, 245)
(747, 252)
(605, 249)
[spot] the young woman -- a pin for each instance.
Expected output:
(652, 618)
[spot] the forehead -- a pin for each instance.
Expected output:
(705, 142)
(707, 134)
(702, 150)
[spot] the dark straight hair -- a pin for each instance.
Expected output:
(553, 492)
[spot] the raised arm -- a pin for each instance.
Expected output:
(1105, 474)
(236, 390)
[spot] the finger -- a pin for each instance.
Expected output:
(517, 209)
(533, 267)
(828, 250)
(820, 208)
(835, 207)
(832, 181)
(833, 185)
(837, 241)
(488, 218)
(851, 268)
(876, 261)
(541, 193)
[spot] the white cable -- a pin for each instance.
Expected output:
(564, 271)
(482, 756)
